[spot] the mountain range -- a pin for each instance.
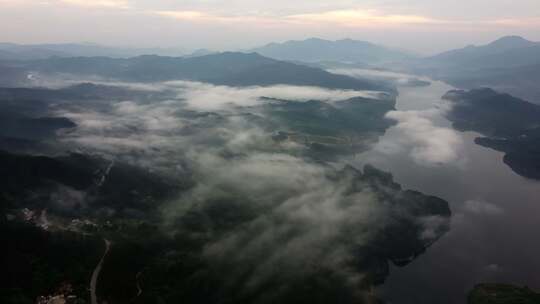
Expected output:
(510, 64)
(12, 51)
(205, 191)
(345, 50)
(507, 51)
(229, 68)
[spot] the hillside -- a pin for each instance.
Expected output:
(509, 124)
(12, 51)
(346, 50)
(510, 64)
(230, 68)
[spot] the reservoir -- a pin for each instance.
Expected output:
(495, 235)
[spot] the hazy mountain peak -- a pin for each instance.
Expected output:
(505, 51)
(201, 52)
(344, 50)
(511, 42)
(353, 41)
(238, 55)
(315, 39)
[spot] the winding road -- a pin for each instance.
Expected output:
(105, 174)
(95, 274)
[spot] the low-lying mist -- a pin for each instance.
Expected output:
(269, 199)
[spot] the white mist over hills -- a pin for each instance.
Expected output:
(254, 175)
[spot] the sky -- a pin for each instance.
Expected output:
(424, 26)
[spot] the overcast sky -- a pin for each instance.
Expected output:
(420, 25)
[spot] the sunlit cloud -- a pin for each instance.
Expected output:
(112, 4)
(358, 17)
(345, 18)
(348, 17)
(341, 17)
(185, 15)
(206, 17)
(118, 4)
(20, 2)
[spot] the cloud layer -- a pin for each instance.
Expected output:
(253, 209)
(428, 144)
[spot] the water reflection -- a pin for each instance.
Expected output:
(494, 236)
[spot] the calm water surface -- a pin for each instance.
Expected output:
(495, 235)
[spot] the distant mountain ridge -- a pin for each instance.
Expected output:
(345, 50)
(504, 52)
(510, 42)
(229, 68)
(12, 51)
(510, 64)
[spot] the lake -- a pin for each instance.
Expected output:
(496, 213)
